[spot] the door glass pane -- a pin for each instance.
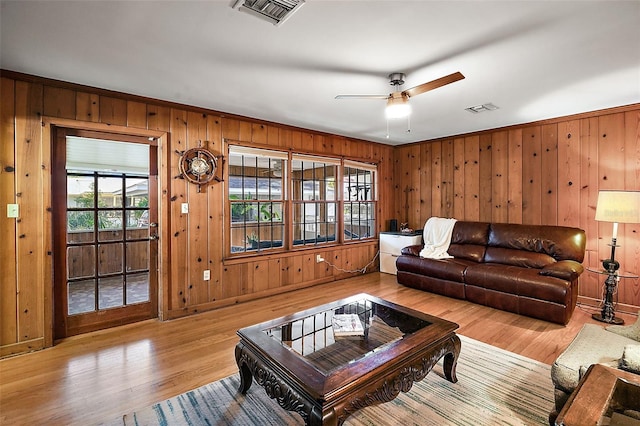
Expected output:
(110, 258)
(137, 256)
(110, 292)
(109, 225)
(137, 288)
(80, 191)
(109, 192)
(137, 224)
(137, 192)
(81, 297)
(80, 227)
(81, 262)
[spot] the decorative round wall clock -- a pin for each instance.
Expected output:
(198, 166)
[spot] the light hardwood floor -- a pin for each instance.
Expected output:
(97, 377)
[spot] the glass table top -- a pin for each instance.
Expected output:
(341, 335)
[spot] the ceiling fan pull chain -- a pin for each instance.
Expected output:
(387, 128)
(408, 124)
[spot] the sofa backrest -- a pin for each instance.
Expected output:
(542, 244)
(469, 240)
(533, 246)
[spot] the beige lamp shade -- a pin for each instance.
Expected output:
(618, 206)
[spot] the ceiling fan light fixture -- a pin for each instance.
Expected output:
(397, 107)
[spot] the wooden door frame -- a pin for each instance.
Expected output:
(49, 124)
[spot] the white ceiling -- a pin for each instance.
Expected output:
(533, 59)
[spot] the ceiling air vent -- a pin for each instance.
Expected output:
(274, 11)
(482, 108)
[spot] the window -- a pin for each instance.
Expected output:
(275, 207)
(358, 187)
(256, 198)
(313, 184)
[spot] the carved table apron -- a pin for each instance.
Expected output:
(381, 385)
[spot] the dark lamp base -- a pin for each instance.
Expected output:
(614, 320)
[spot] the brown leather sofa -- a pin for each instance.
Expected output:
(531, 270)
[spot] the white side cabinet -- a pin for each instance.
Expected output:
(391, 243)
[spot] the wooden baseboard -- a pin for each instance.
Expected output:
(22, 347)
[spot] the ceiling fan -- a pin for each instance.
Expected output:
(398, 101)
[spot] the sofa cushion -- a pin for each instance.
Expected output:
(522, 258)
(470, 233)
(445, 269)
(524, 282)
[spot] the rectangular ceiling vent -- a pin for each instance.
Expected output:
(274, 11)
(482, 108)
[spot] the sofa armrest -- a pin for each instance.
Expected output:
(564, 269)
(412, 250)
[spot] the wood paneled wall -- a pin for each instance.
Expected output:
(539, 173)
(190, 243)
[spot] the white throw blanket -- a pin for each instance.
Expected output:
(437, 237)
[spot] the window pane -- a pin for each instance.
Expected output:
(256, 182)
(137, 256)
(109, 225)
(137, 192)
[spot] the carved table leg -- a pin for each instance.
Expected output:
(451, 360)
(245, 373)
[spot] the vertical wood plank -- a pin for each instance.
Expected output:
(472, 178)
(29, 195)
(87, 107)
(59, 102)
(158, 118)
(499, 178)
(515, 176)
(590, 285)
(179, 224)
(8, 227)
(631, 251)
(136, 114)
(447, 179)
(485, 178)
(113, 111)
(549, 175)
(197, 218)
(458, 179)
(426, 184)
(569, 174)
(531, 176)
(436, 179)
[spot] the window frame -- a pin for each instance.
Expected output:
(290, 201)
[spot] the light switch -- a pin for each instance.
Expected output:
(13, 210)
(185, 208)
(206, 275)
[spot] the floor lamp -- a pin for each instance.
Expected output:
(616, 207)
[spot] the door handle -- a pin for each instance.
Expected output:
(154, 237)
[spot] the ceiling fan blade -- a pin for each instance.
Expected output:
(362, 97)
(425, 87)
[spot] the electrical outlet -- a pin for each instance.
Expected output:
(185, 208)
(13, 210)
(319, 258)
(206, 275)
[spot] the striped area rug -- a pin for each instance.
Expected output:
(495, 387)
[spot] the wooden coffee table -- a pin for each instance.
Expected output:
(306, 369)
